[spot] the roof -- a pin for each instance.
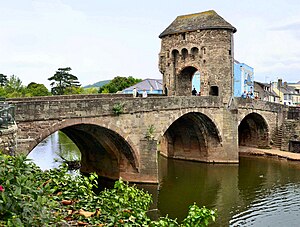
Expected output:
(147, 84)
(197, 21)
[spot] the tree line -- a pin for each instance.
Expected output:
(62, 83)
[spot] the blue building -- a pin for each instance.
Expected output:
(243, 79)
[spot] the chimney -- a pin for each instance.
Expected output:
(279, 85)
(285, 84)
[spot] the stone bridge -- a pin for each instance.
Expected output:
(127, 144)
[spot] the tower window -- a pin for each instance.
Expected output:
(183, 36)
(214, 91)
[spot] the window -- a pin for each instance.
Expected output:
(214, 91)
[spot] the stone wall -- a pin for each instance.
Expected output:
(196, 128)
(208, 51)
(8, 139)
(291, 136)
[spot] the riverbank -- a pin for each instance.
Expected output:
(246, 151)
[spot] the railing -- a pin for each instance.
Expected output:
(7, 114)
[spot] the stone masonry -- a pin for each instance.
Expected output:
(190, 128)
(198, 42)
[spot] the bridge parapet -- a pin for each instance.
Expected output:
(259, 105)
(91, 106)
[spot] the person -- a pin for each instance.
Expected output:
(166, 90)
(134, 92)
(194, 92)
(145, 94)
(244, 95)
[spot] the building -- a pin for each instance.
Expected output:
(296, 97)
(264, 92)
(289, 95)
(152, 86)
(200, 42)
(243, 78)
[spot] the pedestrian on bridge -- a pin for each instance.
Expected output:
(134, 92)
(194, 92)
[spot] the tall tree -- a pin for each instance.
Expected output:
(14, 87)
(3, 80)
(63, 81)
(118, 84)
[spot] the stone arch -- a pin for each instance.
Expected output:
(192, 136)
(103, 147)
(184, 81)
(175, 55)
(194, 52)
(253, 131)
(184, 53)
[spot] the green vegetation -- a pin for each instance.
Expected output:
(118, 84)
(150, 132)
(118, 108)
(3, 80)
(34, 89)
(97, 84)
(13, 88)
(64, 83)
(31, 197)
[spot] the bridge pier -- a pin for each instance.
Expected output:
(148, 167)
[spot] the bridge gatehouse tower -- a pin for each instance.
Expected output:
(200, 42)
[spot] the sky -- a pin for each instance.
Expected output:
(102, 39)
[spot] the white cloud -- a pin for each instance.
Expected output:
(103, 39)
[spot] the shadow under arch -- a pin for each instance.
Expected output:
(192, 136)
(184, 81)
(103, 150)
(253, 131)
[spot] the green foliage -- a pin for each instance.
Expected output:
(150, 132)
(118, 84)
(90, 90)
(118, 108)
(24, 200)
(199, 216)
(31, 197)
(3, 80)
(34, 89)
(14, 87)
(63, 82)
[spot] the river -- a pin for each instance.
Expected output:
(256, 192)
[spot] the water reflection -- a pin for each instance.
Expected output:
(48, 153)
(255, 192)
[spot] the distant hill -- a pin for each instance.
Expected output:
(97, 84)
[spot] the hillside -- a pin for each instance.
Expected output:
(97, 84)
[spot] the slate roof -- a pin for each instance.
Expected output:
(268, 93)
(147, 84)
(197, 21)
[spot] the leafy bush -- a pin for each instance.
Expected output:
(31, 197)
(118, 108)
(23, 199)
